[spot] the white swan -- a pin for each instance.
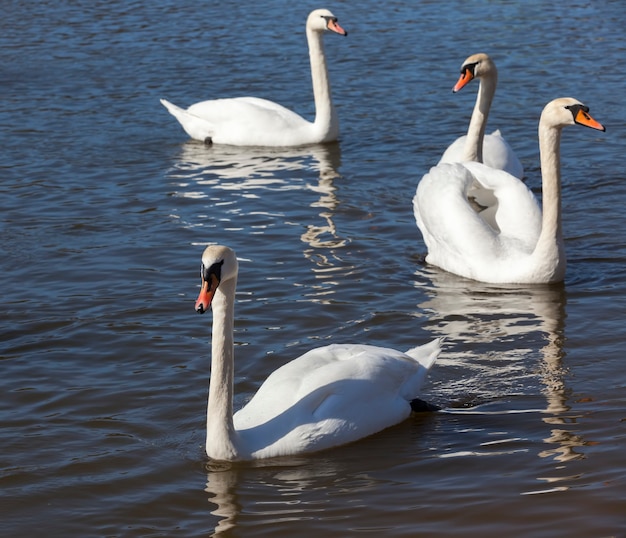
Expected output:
(251, 121)
(327, 397)
(490, 149)
(524, 247)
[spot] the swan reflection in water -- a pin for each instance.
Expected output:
(221, 487)
(225, 178)
(279, 480)
(512, 321)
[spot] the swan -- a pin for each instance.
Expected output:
(251, 121)
(491, 149)
(526, 247)
(327, 397)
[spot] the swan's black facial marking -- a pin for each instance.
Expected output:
(215, 269)
(576, 109)
(328, 19)
(470, 67)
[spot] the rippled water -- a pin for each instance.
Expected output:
(106, 207)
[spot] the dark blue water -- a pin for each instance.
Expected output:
(106, 207)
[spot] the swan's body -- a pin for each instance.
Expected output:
(327, 397)
(491, 149)
(251, 121)
(514, 242)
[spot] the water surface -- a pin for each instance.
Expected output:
(106, 208)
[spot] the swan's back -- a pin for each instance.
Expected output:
(493, 244)
(333, 395)
(452, 230)
(497, 153)
(242, 121)
(249, 117)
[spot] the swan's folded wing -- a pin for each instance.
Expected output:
(452, 230)
(330, 382)
(517, 213)
(497, 153)
(247, 118)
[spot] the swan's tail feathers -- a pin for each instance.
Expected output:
(174, 110)
(195, 126)
(426, 354)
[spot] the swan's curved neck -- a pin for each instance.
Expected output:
(326, 120)
(220, 439)
(549, 251)
(478, 122)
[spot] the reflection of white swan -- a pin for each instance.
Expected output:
(229, 175)
(515, 244)
(327, 397)
(490, 149)
(325, 235)
(250, 121)
(233, 168)
(279, 485)
(221, 484)
(323, 239)
(486, 314)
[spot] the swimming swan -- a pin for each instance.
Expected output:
(327, 397)
(515, 243)
(251, 121)
(490, 149)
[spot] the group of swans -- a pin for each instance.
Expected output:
(330, 395)
(478, 220)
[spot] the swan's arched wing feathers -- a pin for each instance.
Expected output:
(334, 382)
(257, 121)
(450, 227)
(517, 214)
(331, 396)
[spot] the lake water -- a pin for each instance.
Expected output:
(106, 207)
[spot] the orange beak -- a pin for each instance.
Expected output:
(584, 118)
(207, 291)
(464, 79)
(334, 27)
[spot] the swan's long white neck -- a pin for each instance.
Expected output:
(478, 122)
(221, 435)
(549, 254)
(326, 120)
